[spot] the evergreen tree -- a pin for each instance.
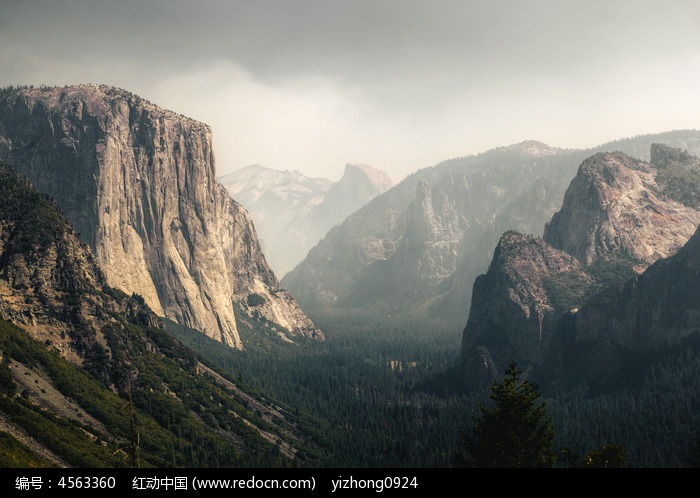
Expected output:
(515, 432)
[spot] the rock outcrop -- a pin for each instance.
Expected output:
(50, 283)
(138, 183)
(541, 297)
(516, 304)
(616, 208)
(653, 311)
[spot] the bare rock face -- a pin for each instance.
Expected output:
(527, 288)
(359, 184)
(434, 233)
(50, 283)
(616, 208)
(138, 182)
(658, 309)
(553, 302)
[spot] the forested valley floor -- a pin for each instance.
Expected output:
(376, 392)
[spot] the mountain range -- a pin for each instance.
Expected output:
(116, 238)
(90, 378)
(292, 212)
(138, 183)
(611, 278)
(413, 252)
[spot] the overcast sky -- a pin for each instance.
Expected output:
(314, 84)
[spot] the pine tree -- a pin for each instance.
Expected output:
(515, 432)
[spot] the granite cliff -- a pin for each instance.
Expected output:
(138, 183)
(121, 391)
(617, 207)
(516, 304)
(619, 216)
(414, 251)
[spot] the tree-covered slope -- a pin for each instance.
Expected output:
(91, 378)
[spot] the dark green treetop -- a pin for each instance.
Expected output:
(515, 431)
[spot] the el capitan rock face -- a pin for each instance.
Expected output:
(138, 182)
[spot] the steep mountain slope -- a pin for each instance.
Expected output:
(517, 303)
(618, 216)
(653, 312)
(414, 251)
(292, 212)
(359, 184)
(138, 183)
(615, 207)
(92, 379)
(396, 254)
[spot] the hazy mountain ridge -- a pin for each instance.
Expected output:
(138, 182)
(615, 220)
(415, 250)
(88, 351)
(293, 212)
(411, 238)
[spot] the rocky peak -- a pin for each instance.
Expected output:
(358, 185)
(357, 174)
(527, 287)
(615, 209)
(616, 216)
(138, 182)
(534, 148)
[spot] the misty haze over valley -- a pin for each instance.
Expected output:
(321, 235)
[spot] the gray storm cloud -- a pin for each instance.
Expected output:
(311, 85)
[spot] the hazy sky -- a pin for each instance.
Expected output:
(314, 84)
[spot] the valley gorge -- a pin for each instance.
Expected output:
(413, 252)
(90, 377)
(582, 265)
(292, 212)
